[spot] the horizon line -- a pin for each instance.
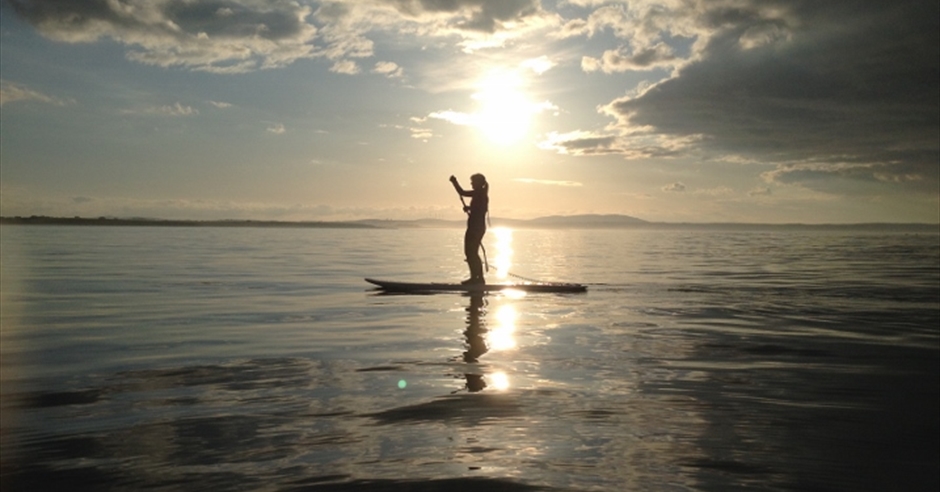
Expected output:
(630, 221)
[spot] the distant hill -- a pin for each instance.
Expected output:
(588, 221)
(147, 222)
(411, 224)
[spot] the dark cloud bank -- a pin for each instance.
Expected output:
(838, 88)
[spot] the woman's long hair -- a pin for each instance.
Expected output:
(482, 180)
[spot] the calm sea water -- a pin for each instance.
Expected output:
(258, 359)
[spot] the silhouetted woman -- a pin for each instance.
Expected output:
(476, 224)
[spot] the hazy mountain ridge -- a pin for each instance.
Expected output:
(150, 222)
(577, 221)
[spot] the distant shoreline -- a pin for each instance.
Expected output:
(136, 222)
(554, 222)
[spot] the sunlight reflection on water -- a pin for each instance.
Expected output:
(502, 260)
(501, 336)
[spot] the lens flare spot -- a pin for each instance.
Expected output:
(402, 383)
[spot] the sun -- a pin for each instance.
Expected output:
(505, 112)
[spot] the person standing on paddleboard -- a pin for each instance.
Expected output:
(476, 223)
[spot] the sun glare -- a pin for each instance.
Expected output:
(505, 113)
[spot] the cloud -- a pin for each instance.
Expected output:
(421, 133)
(343, 30)
(760, 191)
(276, 128)
(486, 16)
(220, 104)
(674, 187)
(388, 69)
(656, 56)
(417, 132)
(643, 25)
(713, 192)
(641, 144)
(224, 36)
(579, 143)
(11, 92)
(851, 87)
(538, 65)
(454, 117)
(834, 176)
(175, 109)
(345, 25)
(347, 67)
(237, 36)
(548, 182)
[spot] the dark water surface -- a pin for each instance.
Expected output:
(258, 359)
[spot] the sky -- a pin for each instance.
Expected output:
(773, 111)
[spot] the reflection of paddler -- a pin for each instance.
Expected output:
(475, 382)
(476, 343)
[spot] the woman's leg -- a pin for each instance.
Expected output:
(471, 246)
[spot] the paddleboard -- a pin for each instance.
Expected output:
(392, 286)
